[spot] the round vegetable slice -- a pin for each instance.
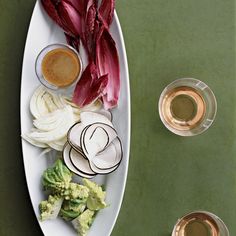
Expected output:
(110, 157)
(74, 134)
(66, 157)
(106, 113)
(89, 117)
(102, 171)
(80, 163)
(95, 138)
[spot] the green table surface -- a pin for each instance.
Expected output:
(168, 175)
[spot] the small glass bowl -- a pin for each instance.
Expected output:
(38, 66)
(212, 223)
(203, 100)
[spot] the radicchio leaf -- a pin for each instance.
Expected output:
(89, 87)
(83, 20)
(70, 18)
(107, 61)
(51, 10)
(73, 41)
(89, 32)
(106, 12)
(79, 5)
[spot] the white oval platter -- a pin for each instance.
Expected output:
(43, 31)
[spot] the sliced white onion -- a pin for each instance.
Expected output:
(57, 132)
(36, 97)
(33, 142)
(43, 102)
(55, 114)
(56, 102)
(58, 144)
(50, 121)
(62, 141)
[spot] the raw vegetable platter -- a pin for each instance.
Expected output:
(42, 32)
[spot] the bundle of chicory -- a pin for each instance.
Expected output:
(87, 22)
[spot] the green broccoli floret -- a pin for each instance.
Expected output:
(96, 198)
(57, 178)
(49, 209)
(83, 222)
(72, 208)
(74, 191)
(74, 202)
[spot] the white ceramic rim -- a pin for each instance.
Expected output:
(125, 98)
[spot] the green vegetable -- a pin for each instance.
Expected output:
(96, 198)
(57, 178)
(72, 208)
(49, 209)
(75, 190)
(83, 222)
(74, 202)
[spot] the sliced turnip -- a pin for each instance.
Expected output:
(66, 157)
(80, 163)
(88, 118)
(110, 157)
(74, 135)
(102, 171)
(95, 138)
(106, 113)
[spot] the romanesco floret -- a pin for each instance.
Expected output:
(75, 191)
(49, 209)
(57, 178)
(83, 222)
(75, 202)
(72, 208)
(96, 198)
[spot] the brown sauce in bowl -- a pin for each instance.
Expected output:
(61, 67)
